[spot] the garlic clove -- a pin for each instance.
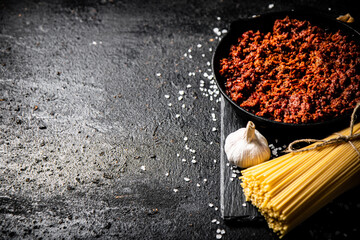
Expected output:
(247, 147)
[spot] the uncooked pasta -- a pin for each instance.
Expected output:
(289, 189)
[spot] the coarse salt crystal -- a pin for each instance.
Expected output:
(175, 190)
(216, 208)
(185, 138)
(214, 129)
(143, 168)
(169, 104)
(190, 56)
(94, 43)
(188, 86)
(180, 98)
(218, 18)
(186, 179)
(158, 74)
(183, 160)
(205, 180)
(218, 236)
(271, 5)
(210, 49)
(193, 161)
(203, 55)
(244, 204)
(218, 230)
(189, 50)
(198, 185)
(181, 92)
(208, 63)
(213, 221)
(177, 115)
(211, 205)
(167, 174)
(222, 231)
(199, 45)
(167, 96)
(183, 106)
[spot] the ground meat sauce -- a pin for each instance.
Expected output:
(297, 73)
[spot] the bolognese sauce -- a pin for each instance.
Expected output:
(298, 73)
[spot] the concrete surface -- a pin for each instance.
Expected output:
(97, 138)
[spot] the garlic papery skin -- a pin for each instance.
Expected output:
(247, 147)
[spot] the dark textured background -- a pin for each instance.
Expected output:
(89, 146)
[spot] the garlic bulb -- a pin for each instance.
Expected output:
(246, 147)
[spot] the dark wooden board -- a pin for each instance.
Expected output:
(232, 199)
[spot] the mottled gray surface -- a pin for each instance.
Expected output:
(90, 147)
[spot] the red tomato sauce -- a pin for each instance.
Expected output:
(298, 73)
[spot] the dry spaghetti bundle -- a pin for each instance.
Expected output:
(289, 189)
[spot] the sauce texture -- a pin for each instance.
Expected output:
(298, 73)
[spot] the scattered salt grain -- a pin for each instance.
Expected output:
(167, 174)
(183, 160)
(216, 208)
(169, 104)
(222, 231)
(185, 138)
(211, 205)
(189, 50)
(158, 74)
(203, 55)
(188, 86)
(244, 204)
(213, 221)
(205, 180)
(193, 161)
(208, 63)
(218, 18)
(214, 129)
(94, 43)
(271, 5)
(181, 92)
(199, 45)
(177, 115)
(217, 31)
(218, 236)
(178, 154)
(143, 168)
(224, 31)
(180, 98)
(210, 49)
(231, 179)
(218, 230)
(183, 106)
(198, 185)
(175, 190)
(167, 96)
(186, 179)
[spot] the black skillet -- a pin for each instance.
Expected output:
(264, 23)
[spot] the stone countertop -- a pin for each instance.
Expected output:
(110, 121)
